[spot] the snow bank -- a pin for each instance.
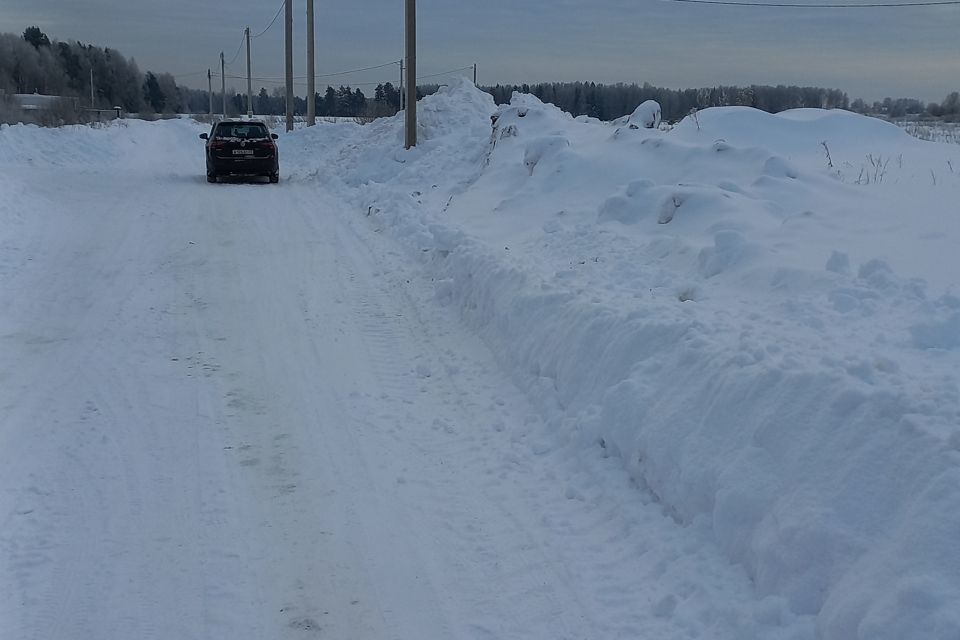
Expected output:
(131, 144)
(685, 300)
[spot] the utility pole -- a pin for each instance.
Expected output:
(401, 84)
(210, 90)
(474, 73)
(288, 36)
(410, 115)
(249, 80)
(311, 78)
(223, 84)
(92, 105)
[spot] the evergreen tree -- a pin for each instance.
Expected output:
(385, 100)
(330, 102)
(345, 101)
(152, 94)
(359, 102)
(70, 61)
(171, 93)
(37, 38)
(391, 96)
(263, 101)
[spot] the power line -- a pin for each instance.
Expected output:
(280, 9)
(327, 75)
(352, 85)
(303, 83)
(379, 66)
(446, 73)
(278, 80)
(215, 74)
(242, 40)
(302, 79)
(811, 5)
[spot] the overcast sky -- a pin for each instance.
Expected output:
(869, 53)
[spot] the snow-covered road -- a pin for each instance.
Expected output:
(238, 411)
(538, 378)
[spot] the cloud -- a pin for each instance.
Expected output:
(869, 53)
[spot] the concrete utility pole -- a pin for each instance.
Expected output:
(410, 119)
(210, 90)
(401, 85)
(249, 80)
(311, 77)
(223, 84)
(288, 36)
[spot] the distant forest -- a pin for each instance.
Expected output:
(32, 63)
(608, 102)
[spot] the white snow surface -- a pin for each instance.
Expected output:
(538, 377)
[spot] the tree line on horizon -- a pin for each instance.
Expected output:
(33, 63)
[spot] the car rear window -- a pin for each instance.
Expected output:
(240, 130)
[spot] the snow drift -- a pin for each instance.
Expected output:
(685, 300)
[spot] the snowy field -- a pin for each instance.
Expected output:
(540, 377)
(948, 132)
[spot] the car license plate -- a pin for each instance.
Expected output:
(243, 152)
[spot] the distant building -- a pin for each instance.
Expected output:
(38, 102)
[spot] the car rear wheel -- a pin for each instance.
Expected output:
(211, 177)
(274, 178)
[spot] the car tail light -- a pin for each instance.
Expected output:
(218, 144)
(267, 144)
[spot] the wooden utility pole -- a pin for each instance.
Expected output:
(223, 84)
(474, 73)
(210, 90)
(311, 74)
(288, 37)
(92, 105)
(410, 115)
(249, 79)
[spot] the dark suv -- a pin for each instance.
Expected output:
(241, 148)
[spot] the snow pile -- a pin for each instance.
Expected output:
(130, 144)
(647, 115)
(756, 313)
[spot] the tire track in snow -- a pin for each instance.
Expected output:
(476, 527)
(82, 323)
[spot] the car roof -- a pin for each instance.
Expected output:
(243, 121)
